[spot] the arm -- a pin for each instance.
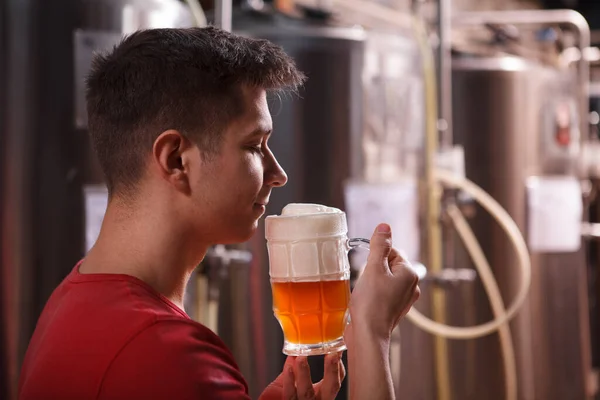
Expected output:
(383, 294)
(173, 359)
(369, 374)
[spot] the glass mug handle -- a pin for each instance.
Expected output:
(358, 243)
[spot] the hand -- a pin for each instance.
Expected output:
(295, 382)
(386, 289)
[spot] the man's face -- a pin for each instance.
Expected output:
(231, 191)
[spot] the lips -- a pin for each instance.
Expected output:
(263, 202)
(263, 198)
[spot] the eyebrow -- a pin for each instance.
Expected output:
(260, 132)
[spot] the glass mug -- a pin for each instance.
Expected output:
(310, 276)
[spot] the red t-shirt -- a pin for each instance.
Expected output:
(104, 336)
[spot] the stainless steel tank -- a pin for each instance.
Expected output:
(594, 251)
(46, 158)
(507, 112)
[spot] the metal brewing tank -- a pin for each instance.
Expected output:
(46, 157)
(505, 111)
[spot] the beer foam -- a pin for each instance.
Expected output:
(307, 209)
(307, 241)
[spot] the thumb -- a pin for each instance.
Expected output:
(381, 245)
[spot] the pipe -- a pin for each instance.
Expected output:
(197, 12)
(568, 17)
(590, 230)
(513, 232)
(370, 9)
(444, 72)
(493, 292)
(223, 14)
(433, 208)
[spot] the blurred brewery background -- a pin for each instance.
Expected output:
(426, 114)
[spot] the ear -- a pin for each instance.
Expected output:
(171, 157)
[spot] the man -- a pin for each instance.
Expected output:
(180, 123)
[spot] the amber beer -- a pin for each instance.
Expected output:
(312, 312)
(310, 272)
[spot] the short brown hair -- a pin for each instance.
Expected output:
(184, 79)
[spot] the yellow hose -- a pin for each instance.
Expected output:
(516, 238)
(493, 292)
(433, 205)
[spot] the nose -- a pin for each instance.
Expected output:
(275, 176)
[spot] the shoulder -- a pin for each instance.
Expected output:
(173, 356)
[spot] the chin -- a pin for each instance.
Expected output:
(242, 234)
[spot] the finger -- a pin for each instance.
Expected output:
(415, 296)
(342, 369)
(304, 385)
(396, 256)
(289, 362)
(380, 247)
(289, 385)
(412, 294)
(331, 383)
(403, 269)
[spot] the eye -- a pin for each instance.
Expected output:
(257, 148)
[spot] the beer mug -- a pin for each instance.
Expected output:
(310, 276)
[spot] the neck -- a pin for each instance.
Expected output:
(148, 246)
